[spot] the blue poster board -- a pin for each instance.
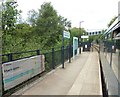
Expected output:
(75, 46)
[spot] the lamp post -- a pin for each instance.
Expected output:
(80, 23)
(80, 36)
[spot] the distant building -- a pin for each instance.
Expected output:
(94, 33)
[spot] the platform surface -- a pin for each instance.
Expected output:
(80, 77)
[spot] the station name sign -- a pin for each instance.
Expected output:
(66, 34)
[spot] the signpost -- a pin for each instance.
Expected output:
(64, 35)
(0, 80)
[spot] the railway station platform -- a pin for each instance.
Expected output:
(80, 77)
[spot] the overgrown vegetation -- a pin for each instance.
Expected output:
(43, 29)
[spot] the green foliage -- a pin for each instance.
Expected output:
(23, 35)
(32, 17)
(49, 25)
(9, 18)
(42, 31)
(77, 32)
(95, 38)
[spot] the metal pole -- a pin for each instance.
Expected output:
(79, 40)
(53, 60)
(10, 57)
(69, 53)
(69, 48)
(62, 49)
(38, 52)
(1, 79)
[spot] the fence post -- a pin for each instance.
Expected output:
(62, 56)
(53, 60)
(10, 57)
(38, 52)
(69, 53)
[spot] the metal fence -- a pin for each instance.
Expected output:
(53, 58)
(19, 55)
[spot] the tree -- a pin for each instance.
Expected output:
(49, 26)
(76, 32)
(9, 18)
(32, 17)
(43, 29)
(23, 36)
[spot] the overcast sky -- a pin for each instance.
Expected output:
(96, 14)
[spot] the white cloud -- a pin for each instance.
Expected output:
(95, 13)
